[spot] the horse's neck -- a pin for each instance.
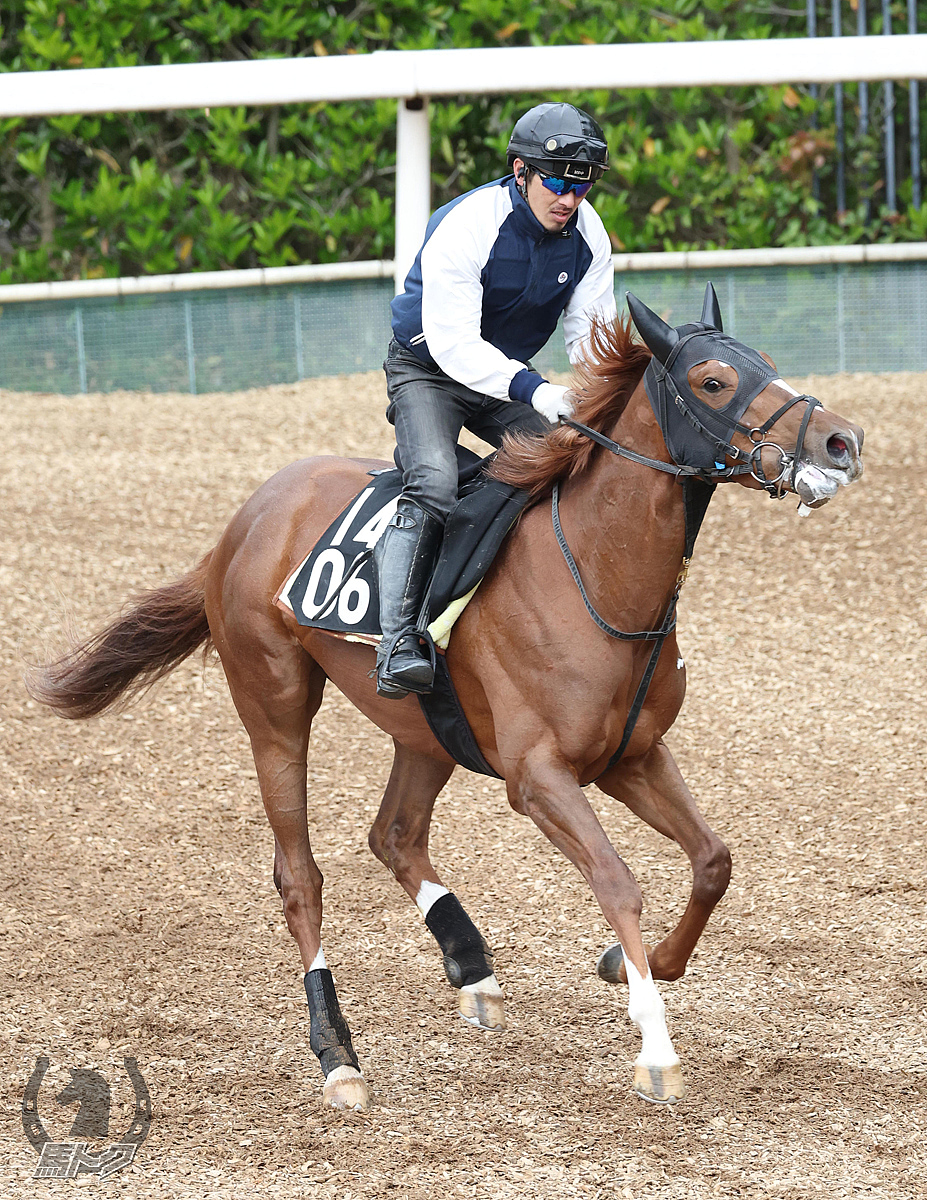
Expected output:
(625, 523)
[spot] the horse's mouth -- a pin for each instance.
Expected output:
(839, 463)
(816, 485)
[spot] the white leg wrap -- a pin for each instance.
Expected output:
(428, 893)
(648, 1012)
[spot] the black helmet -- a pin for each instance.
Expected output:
(561, 140)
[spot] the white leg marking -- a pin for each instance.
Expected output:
(648, 1012)
(485, 987)
(680, 663)
(341, 1073)
(318, 963)
(428, 893)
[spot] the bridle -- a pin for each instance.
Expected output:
(745, 462)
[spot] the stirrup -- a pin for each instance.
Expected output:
(394, 687)
(386, 688)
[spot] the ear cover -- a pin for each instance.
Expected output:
(659, 337)
(711, 309)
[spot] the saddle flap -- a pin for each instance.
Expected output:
(335, 587)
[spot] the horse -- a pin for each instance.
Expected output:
(556, 693)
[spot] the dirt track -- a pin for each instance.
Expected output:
(138, 915)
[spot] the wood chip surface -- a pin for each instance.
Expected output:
(138, 915)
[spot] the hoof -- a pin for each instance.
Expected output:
(611, 965)
(483, 1005)
(659, 1085)
(345, 1088)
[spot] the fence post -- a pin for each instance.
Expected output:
(914, 92)
(891, 201)
(863, 95)
(81, 354)
(191, 356)
(413, 182)
(837, 24)
(731, 305)
(841, 319)
(298, 334)
(811, 21)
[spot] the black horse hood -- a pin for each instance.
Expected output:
(675, 352)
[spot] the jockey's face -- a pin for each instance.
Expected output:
(552, 211)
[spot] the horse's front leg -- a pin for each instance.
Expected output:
(654, 790)
(545, 789)
(399, 839)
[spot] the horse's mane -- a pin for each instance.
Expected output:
(602, 382)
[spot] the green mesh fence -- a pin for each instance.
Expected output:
(870, 317)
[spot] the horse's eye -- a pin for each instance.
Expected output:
(713, 386)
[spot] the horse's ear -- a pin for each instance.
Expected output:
(711, 310)
(659, 337)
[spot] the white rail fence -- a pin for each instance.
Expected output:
(412, 76)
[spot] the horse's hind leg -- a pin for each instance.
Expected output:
(277, 697)
(654, 790)
(399, 839)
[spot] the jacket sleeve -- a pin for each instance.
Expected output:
(452, 295)
(594, 295)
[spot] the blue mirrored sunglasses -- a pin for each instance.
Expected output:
(561, 186)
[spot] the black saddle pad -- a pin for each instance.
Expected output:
(335, 587)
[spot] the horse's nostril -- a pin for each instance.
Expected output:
(838, 449)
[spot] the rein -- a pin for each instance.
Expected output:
(698, 485)
(697, 493)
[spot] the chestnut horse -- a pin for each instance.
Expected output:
(546, 689)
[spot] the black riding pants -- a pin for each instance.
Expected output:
(429, 409)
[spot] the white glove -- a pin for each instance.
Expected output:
(552, 401)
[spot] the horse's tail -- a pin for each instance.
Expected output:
(133, 652)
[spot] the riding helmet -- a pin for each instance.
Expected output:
(559, 140)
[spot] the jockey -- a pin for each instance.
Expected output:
(498, 268)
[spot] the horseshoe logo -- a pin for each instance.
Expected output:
(31, 1123)
(66, 1160)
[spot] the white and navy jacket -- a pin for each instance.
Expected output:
(490, 282)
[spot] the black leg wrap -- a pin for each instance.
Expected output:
(329, 1035)
(467, 958)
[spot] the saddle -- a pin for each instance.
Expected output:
(335, 587)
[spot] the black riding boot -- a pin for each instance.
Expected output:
(405, 556)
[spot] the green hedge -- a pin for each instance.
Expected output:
(205, 190)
